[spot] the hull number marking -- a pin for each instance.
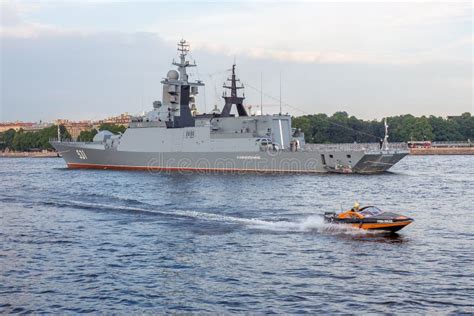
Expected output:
(82, 155)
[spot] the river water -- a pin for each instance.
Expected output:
(111, 241)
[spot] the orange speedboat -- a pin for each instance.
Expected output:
(370, 218)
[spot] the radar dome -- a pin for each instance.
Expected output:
(172, 75)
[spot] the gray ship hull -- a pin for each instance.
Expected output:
(83, 155)
(174, 137)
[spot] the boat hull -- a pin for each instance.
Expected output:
(385, 221)
(91, 156)
(388, 227)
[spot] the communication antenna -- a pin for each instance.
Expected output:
(261, 93)
(59, 133)
(385, 139)
(280, 92)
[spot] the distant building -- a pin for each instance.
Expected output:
(122, 119)
(75, 128)
(15, 125)
(37, 126)
(26, 126)
(453, 117)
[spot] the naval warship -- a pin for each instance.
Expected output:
(174, 137)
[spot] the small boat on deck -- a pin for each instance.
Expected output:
(369, 218)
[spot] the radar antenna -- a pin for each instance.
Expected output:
(183, 47)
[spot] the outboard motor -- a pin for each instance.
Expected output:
(329, 216)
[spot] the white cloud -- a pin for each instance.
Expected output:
(435, 13)
(393, 33)
(372, 32)
(14, 22)
(385, 58)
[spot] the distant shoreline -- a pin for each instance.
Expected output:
(29, 154)
(442, 151)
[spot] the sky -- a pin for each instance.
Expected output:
(93, 59)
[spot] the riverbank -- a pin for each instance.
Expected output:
(29, 154)
(443, 151)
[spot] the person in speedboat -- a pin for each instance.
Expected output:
(352, 213)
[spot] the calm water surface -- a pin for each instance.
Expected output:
(108, 241)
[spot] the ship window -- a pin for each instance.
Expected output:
(348, 156)
(323, 159)
(331, 156)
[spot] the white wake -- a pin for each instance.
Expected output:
(311, 223)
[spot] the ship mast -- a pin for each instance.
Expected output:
(233, 98)
(183, 49)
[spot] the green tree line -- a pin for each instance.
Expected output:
(22, 140)
(342, 128)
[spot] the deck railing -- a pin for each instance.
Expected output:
(63, 140)
(355, 147)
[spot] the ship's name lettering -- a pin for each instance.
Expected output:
(248, 157)
(190, 134)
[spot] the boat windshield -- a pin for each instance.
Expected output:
(369, 211)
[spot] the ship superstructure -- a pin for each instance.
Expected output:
(173, 136)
